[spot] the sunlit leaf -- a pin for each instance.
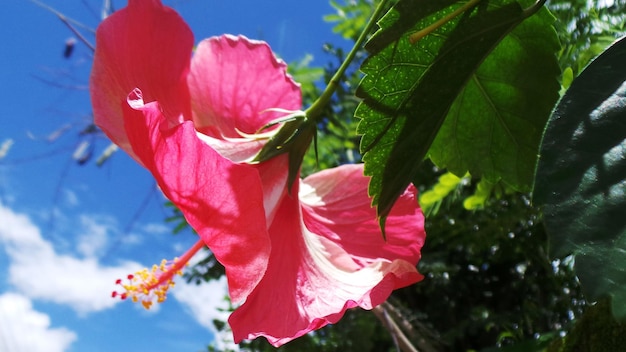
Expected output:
(494, 128)
(481, 195)
(409, 90)
(350, 17)
(431, 199)
(581, 177)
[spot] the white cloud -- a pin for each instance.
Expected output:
(71, 198)
(205, 302)
(24, 329)
(5, 146)
(94, 237)
(156, 229)
(131, 239)
(39, 272)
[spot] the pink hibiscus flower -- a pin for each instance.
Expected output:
(296, 262)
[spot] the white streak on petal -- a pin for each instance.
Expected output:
(237, 150)
(308, 195)
(333, 262)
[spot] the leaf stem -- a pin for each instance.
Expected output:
(414, 37)
(315, 110)
(534, 8)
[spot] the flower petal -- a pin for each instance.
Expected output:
(238, 150)
(234, 81)
(313, 276)
(333, 204)
(273, 172)
(147, 46)
(221, 200)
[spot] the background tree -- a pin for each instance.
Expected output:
(491, 281)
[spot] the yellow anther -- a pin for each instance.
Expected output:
(150, 286)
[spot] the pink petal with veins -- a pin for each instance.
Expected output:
(147, 46)
(221, 200)
(234, 81)
(329, 255)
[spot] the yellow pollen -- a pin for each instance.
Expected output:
(149, 286)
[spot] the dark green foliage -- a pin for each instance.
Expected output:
(205, 270)
(410, 92)
(176, 218)
(489, 279)
(581, 177)
(596, 330)
(585, 28)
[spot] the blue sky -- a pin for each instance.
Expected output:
(68, 231)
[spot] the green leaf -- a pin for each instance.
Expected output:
(408, 90)
(494, 128)
(581, 177)
(534, 345)
(305, 75)
(431, 199)
(293, 138)
(481, 195)
(350, 18)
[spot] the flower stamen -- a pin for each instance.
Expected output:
(291, 115)
(149, 286)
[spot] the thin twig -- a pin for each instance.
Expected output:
(81, 87)
(402, 342)
(422, 337)
(107, 9)
(534, 8)
(133, 220)
(69, 23)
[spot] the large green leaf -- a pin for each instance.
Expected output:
(581, 177)
(494, 127)
(408, 90)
